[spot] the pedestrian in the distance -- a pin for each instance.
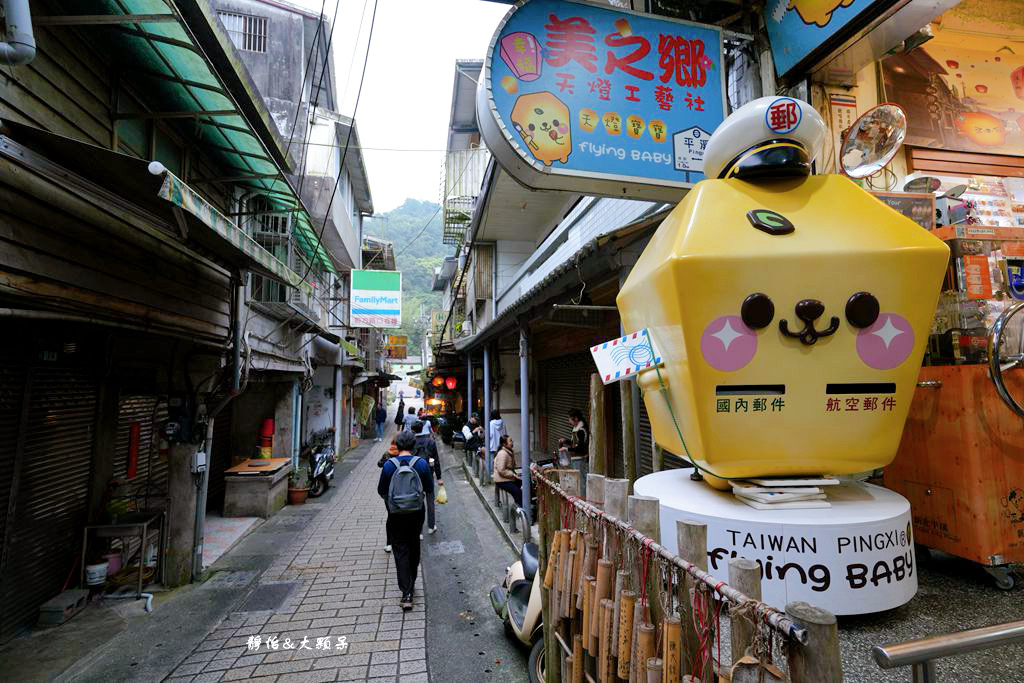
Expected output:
(405, 481)
(426, 447)
(400, 414)
(382, 417)
(505, 477)
(410, 419)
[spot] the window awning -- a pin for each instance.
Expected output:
(166, 198)
(350, 348)
(180, 54)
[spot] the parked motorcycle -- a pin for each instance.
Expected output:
(320, 451)
(517, 601)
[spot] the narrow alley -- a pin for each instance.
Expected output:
(319, 571)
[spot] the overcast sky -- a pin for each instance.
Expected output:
(407, 94)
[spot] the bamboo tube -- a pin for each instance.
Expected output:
(586, 612)
(577, 659)
(638, 618)
(549, 574)
(645, 647)
(654, 670)
(556, 587)
(565, 597)
(626, 614)
(589, 558)
(605, 662)
(604, 586)
(575, 602)
(672, 633)
(620, 578)
(563, 566)
(592, 615)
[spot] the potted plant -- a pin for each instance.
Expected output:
(298, 485)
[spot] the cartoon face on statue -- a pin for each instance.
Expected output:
(542, 120)
(792, 310)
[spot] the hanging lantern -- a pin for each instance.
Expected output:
(450, 383)
(438, 381)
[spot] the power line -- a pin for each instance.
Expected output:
(348, 138)
(302, 85)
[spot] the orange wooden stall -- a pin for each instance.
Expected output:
(961, 466)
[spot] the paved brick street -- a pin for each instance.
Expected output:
(344, 588)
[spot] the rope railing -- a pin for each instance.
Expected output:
(774, 618)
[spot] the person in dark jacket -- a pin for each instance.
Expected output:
(426, 448)
(381, 418)
(400, 414)
(404, 529)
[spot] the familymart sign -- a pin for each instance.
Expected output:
(376, 298)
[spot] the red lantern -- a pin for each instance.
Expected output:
(450, 383)
(438, 381)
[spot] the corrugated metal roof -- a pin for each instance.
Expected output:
(191, 67)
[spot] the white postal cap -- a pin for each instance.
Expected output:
(762, 120)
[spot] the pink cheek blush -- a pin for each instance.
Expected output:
(563, 129)
(727, 344)
(887, 343)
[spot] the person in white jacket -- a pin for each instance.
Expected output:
(495, 430)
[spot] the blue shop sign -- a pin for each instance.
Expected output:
(796, 28)
(587, 98)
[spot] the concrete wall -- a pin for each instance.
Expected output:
(591, 218)
(510, 255)
(260, 400)
(317, 404)
(277, 72)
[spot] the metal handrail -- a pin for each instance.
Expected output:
(922, 653)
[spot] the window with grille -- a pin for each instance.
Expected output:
(246, 31)
(273, 232)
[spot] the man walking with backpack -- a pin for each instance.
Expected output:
(405, 481)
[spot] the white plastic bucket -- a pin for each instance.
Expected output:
(95, 574)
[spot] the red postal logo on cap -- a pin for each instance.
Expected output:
(783, 115)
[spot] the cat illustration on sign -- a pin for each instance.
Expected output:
(542, 120)
(817, 12)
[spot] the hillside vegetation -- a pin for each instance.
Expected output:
(416, 257)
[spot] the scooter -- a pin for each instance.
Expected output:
(517, 601)
(320, 450)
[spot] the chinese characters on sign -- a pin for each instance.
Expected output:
(587, 91)
(326, 643)
(750, 405)
(833, 404)
(853, 404)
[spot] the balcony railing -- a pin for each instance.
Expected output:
(463, 175)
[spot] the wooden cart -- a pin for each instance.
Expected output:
(961, 466)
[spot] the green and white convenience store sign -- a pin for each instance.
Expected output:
(376, 298)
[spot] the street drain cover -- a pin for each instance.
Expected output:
(231, 579)
(447, 548)
(267, 596)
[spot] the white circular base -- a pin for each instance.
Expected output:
(856, 557)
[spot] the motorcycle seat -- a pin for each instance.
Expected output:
(530, 560)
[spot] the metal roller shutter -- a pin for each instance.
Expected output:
(565, 384)
(12, 389)
(670, 460)
(220, 460)
(644, 430)
(46, 535)
(150, 481)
